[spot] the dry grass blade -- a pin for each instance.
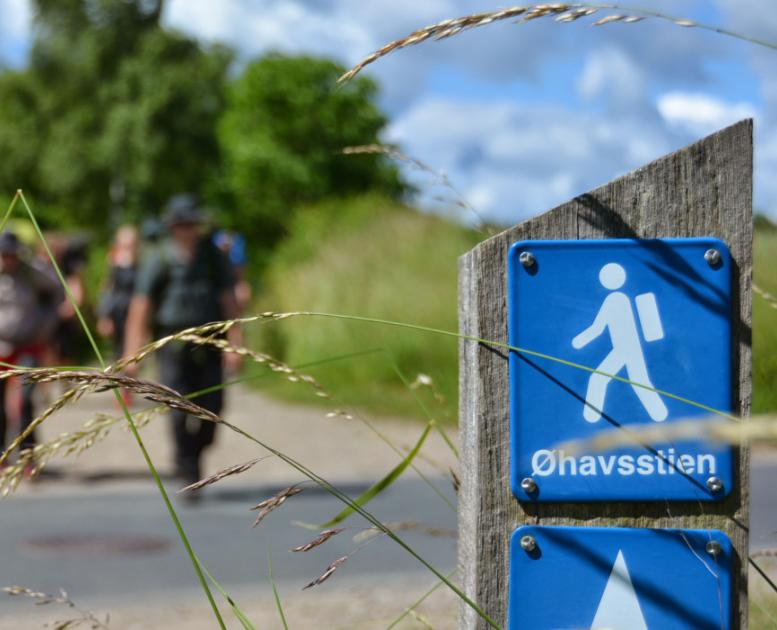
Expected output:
(271, 362)
(97, 429)
(339, 413)
(221, 474)
(213, 330)
(576, 14)
(395, 154)
(562, 12)
(421, 619)
(318, 540)
(455, 481)
(767, 297)
(760, 429)
(98, 381)
(93, 431)
(609, 20)
(86, 617)
(435, 532)
(441, 30)
(42, 598)
(35, 459)
(327, 574)
(274, 502)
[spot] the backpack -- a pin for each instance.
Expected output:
(189, 301)
(649, 318)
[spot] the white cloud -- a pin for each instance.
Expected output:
(612, 74)
(701, 114)
(344, 29)
(514, 160)
(516, 150)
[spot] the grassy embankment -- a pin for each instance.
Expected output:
(765, 322)
(377, 259)
(374, 258)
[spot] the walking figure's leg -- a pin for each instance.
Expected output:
(651, 401)
(597, 386)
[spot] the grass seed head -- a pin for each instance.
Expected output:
(318, 540)
(221, 474)
(326, 574)
(274, 502)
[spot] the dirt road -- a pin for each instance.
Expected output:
(343, 450)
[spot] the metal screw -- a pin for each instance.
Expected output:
(712, 256)
(528, 543)
(715, 484)
(527, 259)
(528, 485)
(713, 548)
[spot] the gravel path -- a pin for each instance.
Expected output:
(343, 450)
(338, 448)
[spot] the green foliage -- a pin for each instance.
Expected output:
(282, 136)
(110, 102)
(764, 324)
(368, 256)
(762, 223)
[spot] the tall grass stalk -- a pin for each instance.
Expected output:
(276, 595)
(338, 494)
(419, 601)
(127, 415)
(495, 344)
(429, 417)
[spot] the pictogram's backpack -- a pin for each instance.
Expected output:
(649, 319)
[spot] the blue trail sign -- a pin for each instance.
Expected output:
(565, 578)
(656, 313)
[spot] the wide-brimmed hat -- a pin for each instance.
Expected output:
(9, 243)
(183, 209)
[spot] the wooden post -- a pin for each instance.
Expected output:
(702, 190)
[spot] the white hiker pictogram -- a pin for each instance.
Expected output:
(619, 607)
(617, 316)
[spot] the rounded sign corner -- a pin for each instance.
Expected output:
(515, 250)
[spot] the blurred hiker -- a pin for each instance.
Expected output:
(186, 282)
(29, 301)
(116, 295)
(234, 247)
(151, 230)
(70, 252)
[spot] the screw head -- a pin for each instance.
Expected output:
(527, 259)
(715, 484)
(713, 548)
(528, 485)
(528, 543)
(712, 256)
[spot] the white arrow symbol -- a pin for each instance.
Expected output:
(619, 607)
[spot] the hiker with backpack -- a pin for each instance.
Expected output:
(29, 302)
(186, 282)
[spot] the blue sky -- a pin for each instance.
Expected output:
(520, 117)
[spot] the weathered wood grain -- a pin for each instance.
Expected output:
(702, 190)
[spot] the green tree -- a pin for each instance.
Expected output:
(112, 109)
(282, 134)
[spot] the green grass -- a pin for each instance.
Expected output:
(376, 258)
(763, 604)
(765, 323)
